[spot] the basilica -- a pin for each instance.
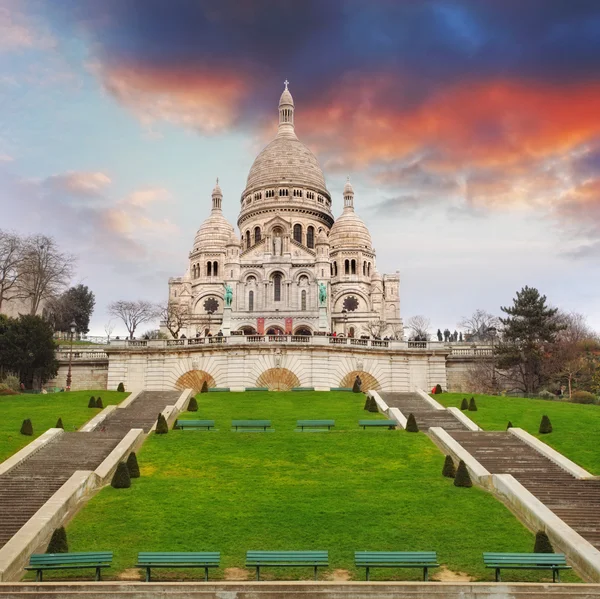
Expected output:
(293, 269)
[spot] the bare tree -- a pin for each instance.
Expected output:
(175, 316)
(396, 331)
(11, 266)
(480, 326)
(376, 327)
(132, 313)
(109, 327)
(419, 325)
(46, 271)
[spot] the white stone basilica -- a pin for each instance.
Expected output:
(294, 269)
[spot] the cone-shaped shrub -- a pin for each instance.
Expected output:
(542, 543)
(99, 403)
(438, 389)
(132, 466)
(192, 405)
(162, 428)
(356, 386)
(121, 478)
(449, 470)
(121, 387)
(472, 405)
(59, 423)
(58, 541)
(367, 403)
(462, 478)
(509, 425)
(372, 405)
(204, 388)
(464, 404)
(411, 424)
(545, 426)
(27, 427)
(92, 402)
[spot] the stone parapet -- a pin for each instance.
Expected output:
(18, 458)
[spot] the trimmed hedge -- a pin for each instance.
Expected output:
(509, 425)
(27, 427)
(449, 469)
(464, 404)
(438, 389)
(121, 478)
(411, 424)
(472, 405)
(204, 388)
(121, 387)
(92, 402)
(462, 478)
(132, 466)
(192, 405)
(545, 425)
(58, 541)
(99, 403)
(542, 543)
(59, 423)
(162, 428)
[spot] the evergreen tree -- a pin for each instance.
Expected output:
(162, 428)
(204, 388)
(74, 305)
(99, 403)
(92, 402)
(542, 543)
(58, 541)
(449, 470)
(121, 388)
(472, 405)
(545, 425)
(462, 478)
(192, 405)
(121, 478)
(132, 466)
(464, 404)
(59, 423)
(27, 427)
(411, 424)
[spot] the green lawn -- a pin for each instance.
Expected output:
(44, 410)
(576, 427)
(343, 490)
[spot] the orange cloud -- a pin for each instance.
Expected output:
(80, 182)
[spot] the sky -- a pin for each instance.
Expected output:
(470, 130)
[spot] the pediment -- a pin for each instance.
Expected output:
(278, 220)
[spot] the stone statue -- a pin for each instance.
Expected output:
(277, 246)
(228, 295)
(322, 294)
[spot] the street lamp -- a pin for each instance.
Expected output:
(345, 314)
(73, 329)
(492, 331)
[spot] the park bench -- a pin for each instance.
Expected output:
(69, 561)
(206, 560)
(302, 424)
(193, 424)
(251, 424)
(218, 389)
(288, 559)
(257, 388)
(391, 424)
(303, 388)
(396, 559)
(341, 389)
(527, 561)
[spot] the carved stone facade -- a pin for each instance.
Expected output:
(289, 244)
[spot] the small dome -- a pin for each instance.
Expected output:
(322, 237)
(217, 190)
(286, 98)
(348, 187)
(376, 276)
(349, 232)
(214, 232)
(234, 239)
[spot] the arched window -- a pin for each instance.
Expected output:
(277, 288)
(353, 263)
(335, 269)
(247, 239)
(298, 233)
(310, 237)
(256, 234)
(346, 267)
(215, 268)
(303, 300)
(364, 268)
(369, 269)
(251, 301)
(208, 269)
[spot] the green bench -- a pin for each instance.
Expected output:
(391, 424)
(251, 424)
(257, 388)
(396, 559)
(206, 560)
(302, 424)
(194, 424)
(288, 559)
(69, 561)
(341, 389)
(218, 389)
(303, 388)
(527, 561)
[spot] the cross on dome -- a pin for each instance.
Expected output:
(286, 83)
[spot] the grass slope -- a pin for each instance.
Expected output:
(576, 427)
(343, 491)
(44, 410)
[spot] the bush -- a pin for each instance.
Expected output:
(121, 387)
(371, 404)
(99, 403)
(462, 478)
(472, 405)
(464, 404)
(27, 427)
(92, 402)
(545, 394)
(545, 425)
(438, 389)
(132, 466)
(542, 543)
(356, 386)
(411, 424)
(162, 428)
(121, 478)
(509, 425)
(4, 390)
(192, 405)
(583, 397)
(58, 541)
(449, 470)
(59, 423)
(12, 383)
(204, 388)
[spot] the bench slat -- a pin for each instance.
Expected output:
(70, 558)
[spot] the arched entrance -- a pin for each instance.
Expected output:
(303, 331)
(278, 379)
(274, 330)
(248, 330)
(193, 379)
(351, 332)
(369, 382)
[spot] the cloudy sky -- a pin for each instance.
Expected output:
(470, 130)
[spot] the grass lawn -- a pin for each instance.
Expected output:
(44, 410)
(343, 491)
(576, 427)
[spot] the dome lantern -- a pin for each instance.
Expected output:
(286, 113)
(348, 196)
(217, 197)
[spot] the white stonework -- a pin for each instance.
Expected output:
(289, 245)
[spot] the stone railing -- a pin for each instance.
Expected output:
(63, 356)
(471, 351)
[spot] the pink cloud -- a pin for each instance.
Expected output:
(149, 195)
(80, 182)
(18, 31)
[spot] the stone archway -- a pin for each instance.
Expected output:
(193, 379)
(278, 379)
(369, 382)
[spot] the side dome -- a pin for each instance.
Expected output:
(215, 232)
(349, 232)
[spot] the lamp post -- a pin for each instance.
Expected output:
(492, 331)
(345, 315)
(73, 329)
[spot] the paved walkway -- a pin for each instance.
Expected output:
(27, 487)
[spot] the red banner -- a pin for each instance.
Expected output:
(289, 325)
(260, 325)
